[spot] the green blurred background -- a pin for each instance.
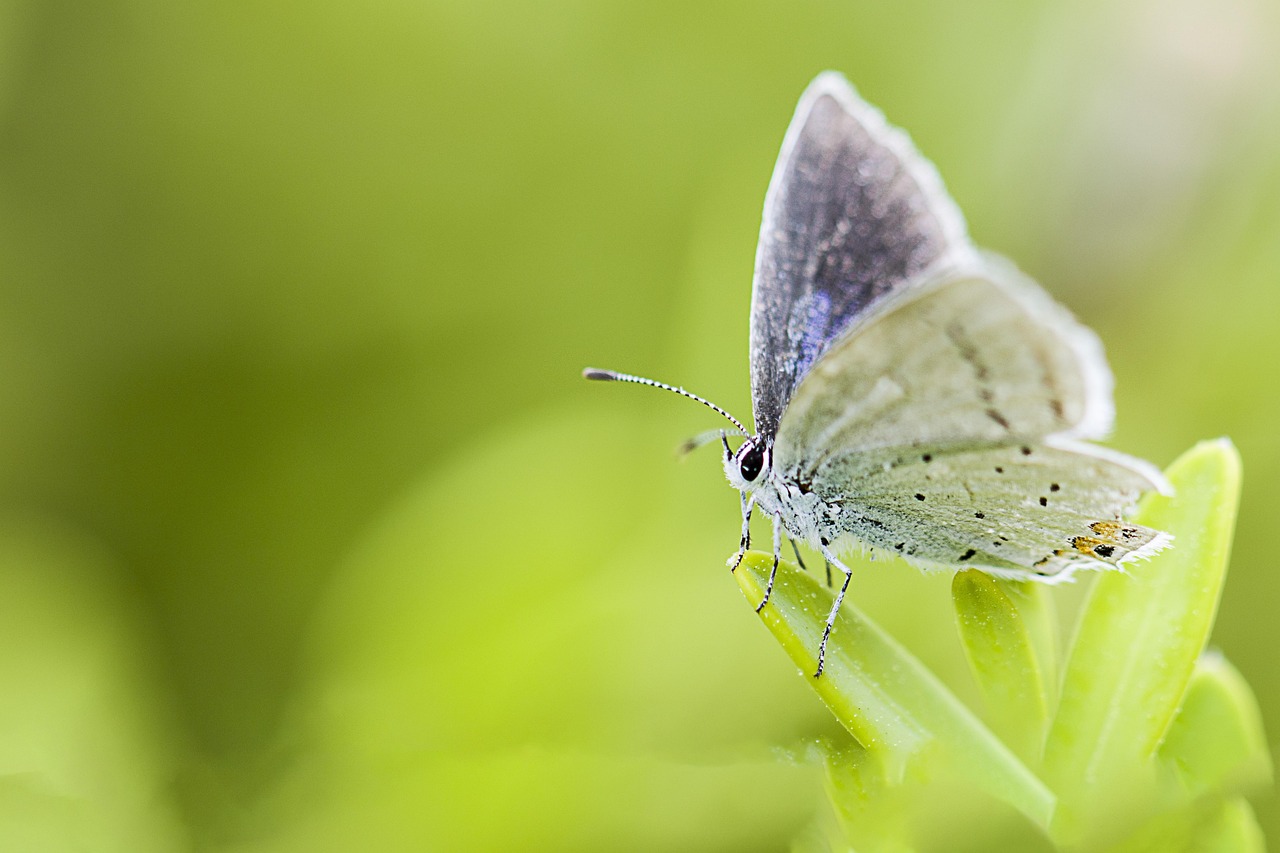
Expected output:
(312, 536)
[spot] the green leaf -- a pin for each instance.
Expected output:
(1004, 661)
(895, 707)
(86, 752)
(1039, 612)
(1136, 644)
(1210, 826)
(1229, 828)
(870, 808)
(1217, 740)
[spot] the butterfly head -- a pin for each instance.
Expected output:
(748, 466)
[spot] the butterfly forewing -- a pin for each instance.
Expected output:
(852, 214)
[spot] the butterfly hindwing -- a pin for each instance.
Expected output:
(970, 357)
(1031, 509)
(852, 214)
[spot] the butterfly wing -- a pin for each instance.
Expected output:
(981, 356)
(943, 425)
(1034, 509)
(852, 214)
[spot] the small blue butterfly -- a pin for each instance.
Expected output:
(913, 395)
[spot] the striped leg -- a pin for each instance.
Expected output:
(799, 560)
(777, 557)
(835, 607)
(748, 504)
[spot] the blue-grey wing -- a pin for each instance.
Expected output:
(852, 214)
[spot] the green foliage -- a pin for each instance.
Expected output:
(892, 705)
(337, 550)
(1010, 670)
(1150, 747)
(83, 761)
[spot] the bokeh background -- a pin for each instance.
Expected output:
(313, 538)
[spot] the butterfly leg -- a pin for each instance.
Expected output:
(748, 504)
(777, 558)
(835, 607)
(827, 563)
(800, 562)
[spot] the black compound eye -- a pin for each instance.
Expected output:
(752, 463)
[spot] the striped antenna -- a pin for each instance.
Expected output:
(614, 376)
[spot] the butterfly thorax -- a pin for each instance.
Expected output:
(802, 512)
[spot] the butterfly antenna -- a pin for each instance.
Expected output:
(614, 376)
(692, 444)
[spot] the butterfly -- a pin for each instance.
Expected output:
(913, 395)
